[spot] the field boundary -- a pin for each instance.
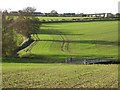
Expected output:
(90, 61)
(70, 21)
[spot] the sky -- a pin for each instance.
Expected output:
(63, 6)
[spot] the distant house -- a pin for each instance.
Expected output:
(69, 14)
(96, 15)
(46, 14)
(14, 13)
(38, 13)
(109, 15)
(80, 15)
(54, 13)
(117, 15)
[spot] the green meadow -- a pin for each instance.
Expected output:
(44, 65)
(81, 40)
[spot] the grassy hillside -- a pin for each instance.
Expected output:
(59, 76)
(78, 40)
(85, 40)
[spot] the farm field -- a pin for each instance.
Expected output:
(80, 40)
(60, 18)
(29, 75)
(53, 44)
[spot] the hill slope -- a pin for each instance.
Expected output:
(79, 40)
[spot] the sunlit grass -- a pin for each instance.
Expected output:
(83, 40)
(23, 75)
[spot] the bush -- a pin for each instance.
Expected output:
(9, 37)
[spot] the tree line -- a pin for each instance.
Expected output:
(17, 29)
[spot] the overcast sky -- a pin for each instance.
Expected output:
(62, 6)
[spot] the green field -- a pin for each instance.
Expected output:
(60, 18)
(79, 40)
(21, 75)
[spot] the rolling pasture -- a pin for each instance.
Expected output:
(83, 40)
(56, 41)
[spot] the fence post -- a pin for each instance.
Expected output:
(84, 61)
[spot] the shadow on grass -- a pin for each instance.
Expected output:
(55, 32)
(101, 42)
(32, 58)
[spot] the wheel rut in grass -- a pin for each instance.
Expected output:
(64, 42)
(63, 47)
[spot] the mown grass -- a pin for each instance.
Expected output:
(83, 40)
(21, 75)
